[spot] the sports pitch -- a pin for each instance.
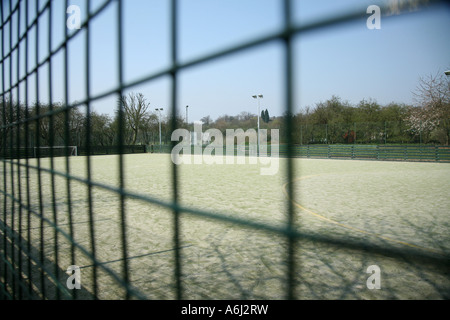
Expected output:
(399, 205)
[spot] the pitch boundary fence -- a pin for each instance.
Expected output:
(346, 151)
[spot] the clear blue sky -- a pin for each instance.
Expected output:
(349, 61)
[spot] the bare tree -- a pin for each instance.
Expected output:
(135, 111)
(149, 128)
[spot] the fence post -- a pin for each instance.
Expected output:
(301, 135)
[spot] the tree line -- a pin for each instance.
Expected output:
(338, 121)
(44, 125)
(332, 121)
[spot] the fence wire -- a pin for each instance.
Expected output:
(26, 270)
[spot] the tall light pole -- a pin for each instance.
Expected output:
(159, 120)
(258, 97)
(187, 114)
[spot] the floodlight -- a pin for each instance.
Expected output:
(256, 97)
(447, 73)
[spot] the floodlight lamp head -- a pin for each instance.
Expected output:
(254, 96)
(260, 95)
(447, 73)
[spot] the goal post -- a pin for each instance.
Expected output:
(55, 151)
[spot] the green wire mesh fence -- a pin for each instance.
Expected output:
(31, 229)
